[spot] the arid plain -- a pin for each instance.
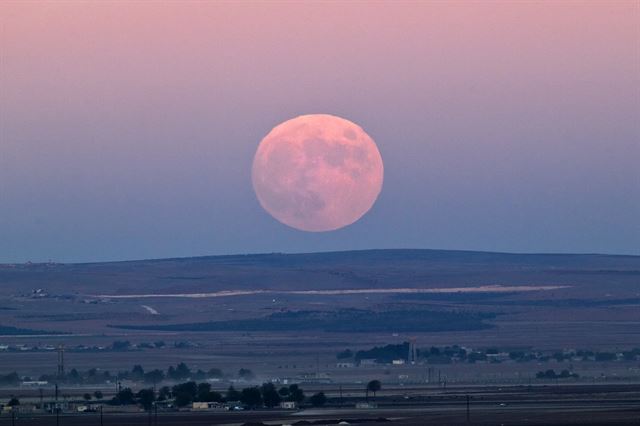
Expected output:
(285, 315)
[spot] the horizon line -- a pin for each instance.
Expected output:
(300, 253)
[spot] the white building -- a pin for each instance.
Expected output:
(288, 405)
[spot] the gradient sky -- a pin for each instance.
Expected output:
(127, 130)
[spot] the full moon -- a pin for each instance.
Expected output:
(317, 172)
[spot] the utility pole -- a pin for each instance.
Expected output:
(60, 361)
(468, 409)
(13, 417)
(101, 419)
(412, 357)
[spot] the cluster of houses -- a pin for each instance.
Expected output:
(234, 406)
(63, 406)
(52, 407)
(115, 346)
(495, 357)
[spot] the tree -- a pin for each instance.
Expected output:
(74, 376)
(232, 394)
(121, 345)
(516, 355)
(146, 398)
(476, 356)
(171, 372)
(180, 372)
(10, 379)
(214, 373)
(284, 391)
(270, 395)
(154, 376)
(183, 371)
(373, 386)
(164, 393)
(246, 374)
(185, 393)
(346, 354)
(87, 396)
(98, 395)
(13, 402)
(251, 397)
(206, 395)
(605, 356)
(213, 396)
(124, 397)
(137, 373)
(551, 374)
(296, 394)
(203, 389)
(92, 375)
(318, 399)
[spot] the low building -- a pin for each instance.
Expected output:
(345, 365)
(398, 362)
(208, 406)
(22, 408)
(314, 378)
(499, 357)
(53, 406)
(35, 383)
(288, 405)
(366, 405)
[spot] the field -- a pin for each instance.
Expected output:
(286, 317)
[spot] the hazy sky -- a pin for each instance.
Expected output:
(127, 130)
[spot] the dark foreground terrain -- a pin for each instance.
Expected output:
(538, 405)
(287, 317)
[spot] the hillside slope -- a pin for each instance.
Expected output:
(593, 274)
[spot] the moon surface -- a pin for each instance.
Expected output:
(317, 172)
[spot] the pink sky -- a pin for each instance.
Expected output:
(503, 125)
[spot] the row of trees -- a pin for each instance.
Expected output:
(186, 393)
(95, 376)
(386, 354)
(177, 373)
(447, 354)
(551, 374)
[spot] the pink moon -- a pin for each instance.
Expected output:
(317, 172)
